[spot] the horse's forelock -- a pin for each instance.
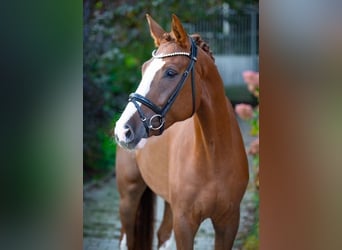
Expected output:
(198, 40)
(167, 37)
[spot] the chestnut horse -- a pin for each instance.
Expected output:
(181, 141)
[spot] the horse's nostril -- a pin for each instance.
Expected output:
(129, 134)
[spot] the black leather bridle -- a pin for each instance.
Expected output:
(160, 112)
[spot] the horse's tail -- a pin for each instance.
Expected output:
(144, 221)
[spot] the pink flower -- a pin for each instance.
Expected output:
(252, 80)
(254, 147)
(244, 111)
(251, 77)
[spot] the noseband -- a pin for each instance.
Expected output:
(160, 112)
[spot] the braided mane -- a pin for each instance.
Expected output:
(203, 45)
(198, 40)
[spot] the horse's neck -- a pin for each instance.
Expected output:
(214, 117)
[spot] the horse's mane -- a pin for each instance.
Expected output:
(203, 45)
(199, 42)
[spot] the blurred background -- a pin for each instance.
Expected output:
(41, 116)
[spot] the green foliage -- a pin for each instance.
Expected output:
(112, 60)
(252, 239)
(238, 93)
(255, 123)
(108, 148)
(245, 111)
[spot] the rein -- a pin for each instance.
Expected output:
(160, 112)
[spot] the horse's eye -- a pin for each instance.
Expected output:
(170, 73)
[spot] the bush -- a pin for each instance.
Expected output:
(246, 112)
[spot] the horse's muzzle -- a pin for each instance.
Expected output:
(125, 136)
(129, 134)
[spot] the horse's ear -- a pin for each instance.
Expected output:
(155, 30)
(178, 32)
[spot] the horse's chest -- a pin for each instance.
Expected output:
(154, 170)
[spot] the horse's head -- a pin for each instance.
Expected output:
(167, 92)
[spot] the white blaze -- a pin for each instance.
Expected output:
(143, 89)
(150, 72)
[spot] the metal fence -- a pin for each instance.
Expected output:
(234, 39)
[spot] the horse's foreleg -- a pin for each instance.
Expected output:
(131, 187)
(185, 227)
(128, 208)
(165, 229)
(225, 230)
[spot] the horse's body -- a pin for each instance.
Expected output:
(198, 163)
